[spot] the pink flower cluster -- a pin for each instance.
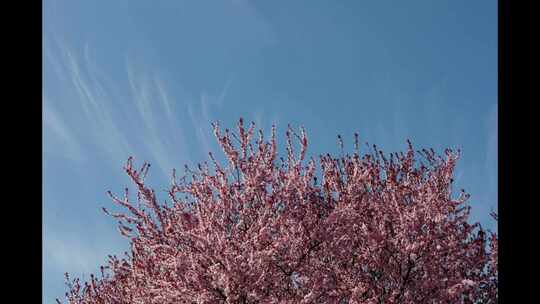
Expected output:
(351, 229)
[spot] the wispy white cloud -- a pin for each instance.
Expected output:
(112, 113)
(96, 99)
(221, 98)
(164, 97)
(140, 117)
(201, 116)
(71, 254)
(201, 119)
(92, 111)
(56, 132)
(161, 126)
(65, 250)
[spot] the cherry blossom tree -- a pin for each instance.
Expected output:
(369, 228)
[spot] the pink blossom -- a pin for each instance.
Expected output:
(354, 229)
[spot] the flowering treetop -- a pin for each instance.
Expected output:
(372, 228)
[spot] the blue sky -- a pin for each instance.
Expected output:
(146, 78)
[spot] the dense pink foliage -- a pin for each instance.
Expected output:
(371, 229)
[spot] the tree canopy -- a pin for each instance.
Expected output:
(370, 228)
